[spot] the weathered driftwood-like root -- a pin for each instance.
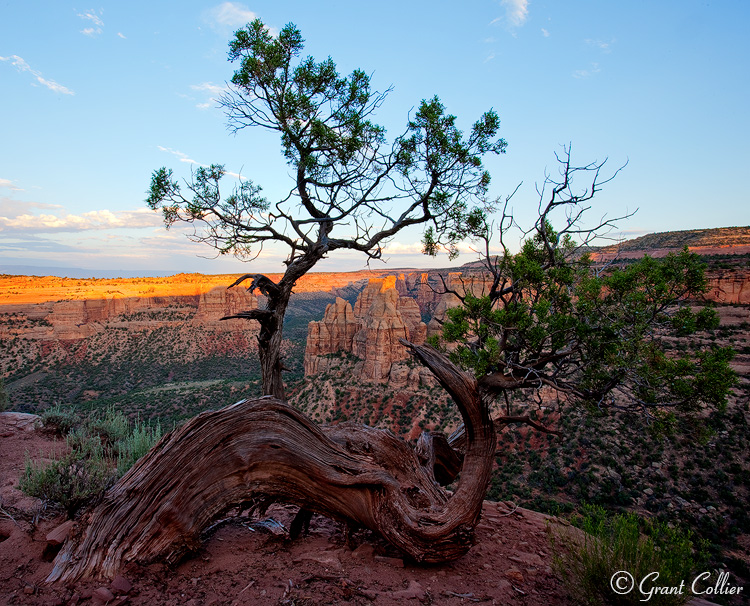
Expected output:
(267, 451)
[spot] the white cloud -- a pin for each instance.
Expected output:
(185, 158)
(605, 47)
(178, 154)
(545, 33)
(516, 11)
(14, 208)
(587, 73)
(96, 23)
(93, 220)
(8, 184)
(231, 14)
(121, 35)
(22, 66)
(214, 90)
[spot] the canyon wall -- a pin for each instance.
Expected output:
(370, 330)
(729, 286)
(35, 335)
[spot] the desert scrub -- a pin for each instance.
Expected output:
(588, 558)
(72, 481)
(60, 420)
(4, 401)
(137, 443)
(100, 450)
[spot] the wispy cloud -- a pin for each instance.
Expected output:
(545, 33)
(214, 91)
(178, 154)
(185, 158)
(121, 35)
(96, 24)
(22, 66)
(8, 184)
(587, 73)
(602, 45)
(516, 11)
(231, 14)
(93, 220)
(14, 208)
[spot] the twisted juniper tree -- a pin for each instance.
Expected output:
(350, 190)
(551, 319)
(548, 318)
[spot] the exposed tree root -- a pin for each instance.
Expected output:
(263, 451)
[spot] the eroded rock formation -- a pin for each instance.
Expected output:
(729, 286)
(221, 301)
(334, 333)
(371, 330)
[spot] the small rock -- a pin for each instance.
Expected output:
(614, 475)
(703, 511)
(74, 599)
(29, 590)
(326, 559)
(59, 534)
(514, 575)
(649, 492)
(365, 551)
(120, 585)
(101, 596)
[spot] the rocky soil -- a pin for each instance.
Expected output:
(246, 561)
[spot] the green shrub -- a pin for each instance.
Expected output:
(587, 561)
(111, 428)
(72, 481)
(136, 444)
(60, 420)
(4, 400)
(100, 451)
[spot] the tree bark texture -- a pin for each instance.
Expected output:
(264, 451)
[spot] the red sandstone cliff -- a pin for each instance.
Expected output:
(370, 330)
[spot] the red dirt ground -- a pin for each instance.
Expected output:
(243, 563)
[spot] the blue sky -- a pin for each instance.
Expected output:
(95, 96)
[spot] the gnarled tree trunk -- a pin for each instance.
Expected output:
(265, 451)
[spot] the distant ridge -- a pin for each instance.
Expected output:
(79, 273)
(719, 237)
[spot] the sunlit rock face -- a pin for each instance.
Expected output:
(220, 302)
(334, 333)
(370, 330)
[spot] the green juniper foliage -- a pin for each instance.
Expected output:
(350, 189)
(553, 319)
